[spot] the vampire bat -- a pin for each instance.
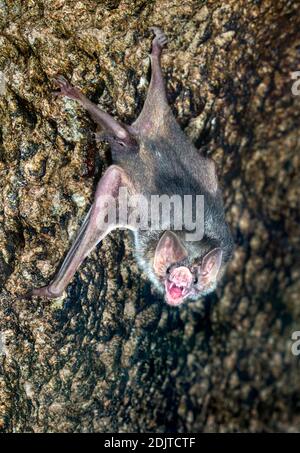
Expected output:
(152, 156)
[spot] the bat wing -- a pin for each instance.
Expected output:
(99, 221)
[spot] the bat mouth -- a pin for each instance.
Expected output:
(175, 294)
(178, 286)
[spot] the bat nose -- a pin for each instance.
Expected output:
(181, 276)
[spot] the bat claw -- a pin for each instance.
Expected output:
(61, 80)
(159, 41)
(66, 89)
(156, 30)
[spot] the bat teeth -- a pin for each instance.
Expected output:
(183, 287)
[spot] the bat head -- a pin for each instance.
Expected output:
(182, 276)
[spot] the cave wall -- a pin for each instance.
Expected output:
(110, 355)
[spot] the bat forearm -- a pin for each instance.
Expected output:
(102, 118)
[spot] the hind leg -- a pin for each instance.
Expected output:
(156, 101)
(157, 84)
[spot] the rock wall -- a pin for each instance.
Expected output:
(110, 355)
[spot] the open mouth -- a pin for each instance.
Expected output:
(175, 294)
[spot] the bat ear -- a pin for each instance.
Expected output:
(169, 250)
(211, 264)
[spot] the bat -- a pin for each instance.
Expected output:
(152, 157)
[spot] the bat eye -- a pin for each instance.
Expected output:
(195, 280)
(168, 270)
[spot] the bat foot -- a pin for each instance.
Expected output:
(159, 41)
(66, 89)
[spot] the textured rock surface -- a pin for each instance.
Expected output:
(110, 356)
